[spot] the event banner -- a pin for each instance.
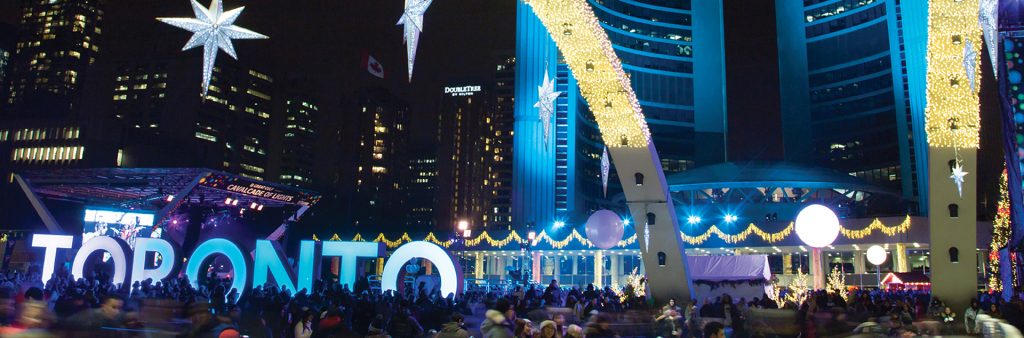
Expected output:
(243, 186)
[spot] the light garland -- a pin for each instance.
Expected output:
(514, 237)
(741, 236)
(876, 225)
(951, 113)
(598, 70)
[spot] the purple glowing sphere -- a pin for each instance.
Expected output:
(604, 229)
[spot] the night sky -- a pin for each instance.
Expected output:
(324, 41)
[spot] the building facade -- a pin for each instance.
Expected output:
(381, 159)
(299, 134)
(464, 152)
(502, 127)
(57, 42)
(848, 91)
(421, 191)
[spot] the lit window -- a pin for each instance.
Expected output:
(205, 136)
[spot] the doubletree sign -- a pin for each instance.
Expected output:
(266, 260)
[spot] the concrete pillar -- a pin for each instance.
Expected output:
(428, 266)
(818, 268)
(549, 265)
(616, 268)
(902, 263)
(535, 268)
(955, 282)
(499, 266)
(859, 259)
(336, 266)
(380, 266)
(598, 269)
(478, 265)
(787, 264)
(575, 264)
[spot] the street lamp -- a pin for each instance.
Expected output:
(463, 225)
(876, 255)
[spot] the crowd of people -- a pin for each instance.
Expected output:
(86, 307)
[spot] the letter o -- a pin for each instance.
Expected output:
(239, 262)
(117, 249)
(448, 268)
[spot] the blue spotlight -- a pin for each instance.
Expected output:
(729, 218)
(559, 224)
(693, 219)
(625, 221)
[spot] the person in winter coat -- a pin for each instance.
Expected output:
(498, 321)
(454, 328)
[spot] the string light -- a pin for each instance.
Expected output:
(1000, 235)
(876, 225)
(951, 113)
(513, 237)
(598, 70)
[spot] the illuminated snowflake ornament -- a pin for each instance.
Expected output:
(606, 166)
(412, 21)
(958, 178)
(970, 65)
(546, 102)
(212, 28)
(988, 18)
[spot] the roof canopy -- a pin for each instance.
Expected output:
(767, 174)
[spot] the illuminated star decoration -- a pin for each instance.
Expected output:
(988, 18)
(412, 19)
(969, 62)
(546, 102)
(958, 178)
(606, 165)
(213, 28)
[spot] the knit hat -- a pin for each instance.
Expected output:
(547, 323)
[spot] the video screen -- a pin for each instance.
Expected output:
(126, 225)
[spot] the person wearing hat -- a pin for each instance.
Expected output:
(455, 328)
(574, 331)
(497, 322)
(548, 329)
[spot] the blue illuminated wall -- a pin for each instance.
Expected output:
(533, 159)
(852, 88)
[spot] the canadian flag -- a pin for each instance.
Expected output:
(372, 66)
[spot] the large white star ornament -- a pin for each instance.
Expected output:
(546, 102)
(213, 29)
(970, 62)
(958, 178)
(412, 20)
(988, 18)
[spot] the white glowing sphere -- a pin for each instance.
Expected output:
(876, 255)
(817, 226)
